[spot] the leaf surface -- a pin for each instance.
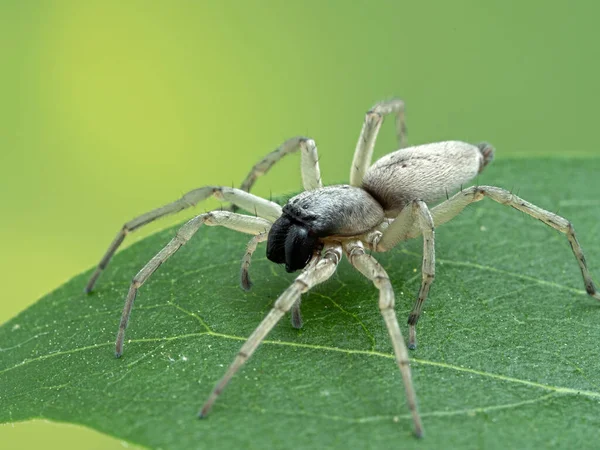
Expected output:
(508, 351)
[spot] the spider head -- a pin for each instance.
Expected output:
(291, 242)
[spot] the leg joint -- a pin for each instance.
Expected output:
(403, 362)
(413, 319)
(590, 288)
(374, 116)
(381, 280)
(356, 251)
(385, 306)
(477, 192)
(387, 302)
(427, 276)
(306, 143)
(217, 192)
(303, 286)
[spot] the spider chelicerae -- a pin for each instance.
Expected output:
(384, 204)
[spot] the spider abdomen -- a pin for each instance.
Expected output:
(427, 172)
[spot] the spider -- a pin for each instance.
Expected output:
(384, 204)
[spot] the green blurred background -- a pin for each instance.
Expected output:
(108, 109)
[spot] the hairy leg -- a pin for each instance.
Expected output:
(370, 268)
(237, 222)
(246, 283)
(310, 277)
(368, 135)
(447, 210)
(414, 219)
(311, 174)
(251, 203)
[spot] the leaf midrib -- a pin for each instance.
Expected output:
(557, 389)
(209, 332)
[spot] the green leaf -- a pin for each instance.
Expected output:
(508, 350)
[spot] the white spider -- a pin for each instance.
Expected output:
(385, 203)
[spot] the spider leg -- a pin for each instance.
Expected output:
(251, 203)
(296, 314)
(404, 226)
(250, 249)
(310, 277)
(370, 268)
(368, 135)
(237, 222)
(297, 320)
(413, 220)
(311, 174)
(447, 210)
(246, 283)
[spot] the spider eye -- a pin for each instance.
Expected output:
(276, 240)
(300, 244)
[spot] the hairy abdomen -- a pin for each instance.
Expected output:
(427, 172)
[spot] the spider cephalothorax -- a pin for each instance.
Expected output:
(324, 212)
(385, 203)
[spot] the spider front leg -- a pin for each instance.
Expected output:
(311, 276)
(309, 165)
(246, 283)
(450, 208)
(237, 222)
(370, 268)
(414, 219)
(251, 203)
(368, 135)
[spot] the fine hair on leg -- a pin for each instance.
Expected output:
(368, 135)
(311, 174)
(310, 277)
(246, 282)
(370, 268)
(449, 209)
(295, 313)
(237, 222)
(425, 222)
(414, 219)
(251, 203)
